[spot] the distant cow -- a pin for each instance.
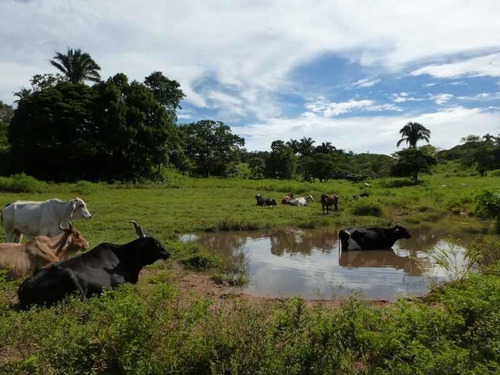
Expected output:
(41, 218)
(361, 195)
(328, 200)
(302, 201)
(104, 267)
(371, 238)
(287, 199)
(261, 201)
(23, 259)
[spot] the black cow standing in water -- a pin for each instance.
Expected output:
(371, 238)
(104, 267)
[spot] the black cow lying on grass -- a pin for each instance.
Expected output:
(261, 201)
(371, 238)
(104, 267)
(361, 195)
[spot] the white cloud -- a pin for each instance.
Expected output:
(479, 66)
(404, 97)
(484, 96)
(377, 134)
(441, 98)
(252, 46)
(366, 82)
(324, 108)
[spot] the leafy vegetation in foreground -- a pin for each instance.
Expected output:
(152, 329)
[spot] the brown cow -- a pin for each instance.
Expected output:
(22, 259)
(287, 199)
(328, 200)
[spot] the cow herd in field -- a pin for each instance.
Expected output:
(52, 240)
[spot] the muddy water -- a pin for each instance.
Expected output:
(309, 263)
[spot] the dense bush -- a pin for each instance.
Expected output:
(367, 208)
(22, 183)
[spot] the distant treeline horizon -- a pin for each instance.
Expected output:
(116, 130)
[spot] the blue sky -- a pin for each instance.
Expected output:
(347, 72)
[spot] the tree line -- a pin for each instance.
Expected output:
(115, 129)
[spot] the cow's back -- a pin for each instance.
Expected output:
(23, 215)
(13, 258)
(49, 286)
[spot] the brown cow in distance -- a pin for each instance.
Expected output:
(287, 199)
(328, 200)
(23, 259)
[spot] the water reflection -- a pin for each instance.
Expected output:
(308, 262)
(411, 265)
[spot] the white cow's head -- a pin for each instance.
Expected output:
(79, 209)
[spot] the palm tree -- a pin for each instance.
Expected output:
(306, 146)
(77, 66)
(22, 94)
(294, 145)
(412, 133)
(325, 148)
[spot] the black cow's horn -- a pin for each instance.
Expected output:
(70, 225)
(138, 229)
(60, 226)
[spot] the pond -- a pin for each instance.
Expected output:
(309, 263)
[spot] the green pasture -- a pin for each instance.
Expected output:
(155, 328)
(186, 205)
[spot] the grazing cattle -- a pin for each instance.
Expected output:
(104, 267)
(40, 252)
(287, 199)
(261, 201)
(328, 200)
(302, 201)
(362, 195)
(41, 218)
(371, 238)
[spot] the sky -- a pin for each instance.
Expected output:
(350, 72)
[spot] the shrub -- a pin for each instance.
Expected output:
(488, 206)
(366, 208)
(22, 183)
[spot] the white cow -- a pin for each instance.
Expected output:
(302, 201)
(41, 218)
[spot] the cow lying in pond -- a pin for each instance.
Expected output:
(302, 201)
(23, 259)
(104, 267)
(328, 200)
(371, 238)
(261, 201)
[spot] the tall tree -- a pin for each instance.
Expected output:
(412, 133)
(23, 93)
(166, 91)
(211, 146)
(77, 66)
(282, 161)
(325, 148)
(411, 162)
(294, 145)
(306, 146)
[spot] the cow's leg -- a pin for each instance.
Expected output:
(16, 236)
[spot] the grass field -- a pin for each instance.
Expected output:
(157, 328)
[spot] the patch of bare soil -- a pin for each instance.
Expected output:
(200, 284)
